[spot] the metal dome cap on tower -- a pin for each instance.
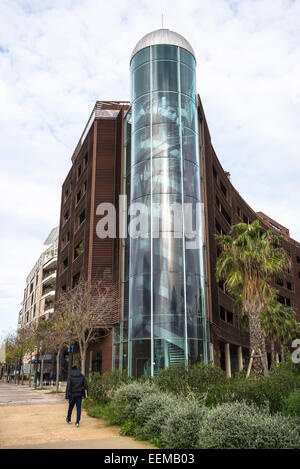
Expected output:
(163, 36)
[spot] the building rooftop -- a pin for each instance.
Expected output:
(162, 36)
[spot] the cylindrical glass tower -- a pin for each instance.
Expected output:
(166, 314)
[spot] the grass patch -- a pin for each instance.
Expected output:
(55, 392)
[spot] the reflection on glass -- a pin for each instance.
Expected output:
(188, 114)
(141, 180)
(141, 81)
(165, 141)
(191, 180)
(165, 108)
(168, 293)
(189, 146)
(187, 58)
(141, 145)
(140, 256)
(167, 254)
(141, 57)
(166, 176)
(141, 112)
(164, 76)
(195, 351)
(164, 51)
(187, 81)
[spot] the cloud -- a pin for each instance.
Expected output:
(57, 57)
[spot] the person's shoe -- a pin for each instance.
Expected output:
(77, 424)
(68, 421)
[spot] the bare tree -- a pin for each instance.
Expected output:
(60, 333)
(91, 308)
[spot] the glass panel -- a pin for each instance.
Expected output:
(168, 353)
(191, 180)
(187, 58)
(167, 254)
(141, 57)
(141, 145)
(139, 221)
(168, 293)
(164, 51)
(193, 295)
(141, 180)
(190, 145)
(193, 261)
(164, 76)
(187, 80)
(141, 358)
(188, 113)
(167, 214)
(166, 176)
(141, 81)
(141, 112)
(140, 249)
(195, 351)
(165, 141)
(165, 108)
(140, 307)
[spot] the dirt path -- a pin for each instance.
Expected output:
(40, 423)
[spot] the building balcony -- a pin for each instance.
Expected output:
(47, 310)
(50, 263)
(48, 294)
(49, 279)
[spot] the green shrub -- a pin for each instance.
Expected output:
(101, 387)
(196, 378)
(262, 392)
(182, 428)
(152, 412)
(125, 400)
(242, 426)
(93, 409)
(291, 404)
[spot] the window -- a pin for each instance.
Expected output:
(289, 285)
(78, 197)
(299, 275)
(218, 227)
(65, 263)
(79, 171)
(84, 187)
(298, 259)
(245, 219)
(76, 279)
(215, 173)
(279, 282)
(64, 287)
(222, 313)
(288, 301)
(239, 211)
(225, 215)
(82, 217)
(229, 317)
(85, 159)
(281, 299)
(66, 215)
(223, 189)
(78, 250)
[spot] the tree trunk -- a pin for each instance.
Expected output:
(282, 353)
(273, 355)
(22, 373)
(83, 358)
(257, 343)
(42, 371)
(57, 369)
(30, 368)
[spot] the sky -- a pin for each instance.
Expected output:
(57, 57)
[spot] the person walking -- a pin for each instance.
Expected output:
(76, 389)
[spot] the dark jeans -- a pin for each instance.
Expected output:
(72, 401)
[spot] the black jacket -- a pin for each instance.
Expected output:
(76, 385)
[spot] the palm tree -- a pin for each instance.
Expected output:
(279, 324)
(248, 263)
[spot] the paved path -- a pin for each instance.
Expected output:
(36, 419)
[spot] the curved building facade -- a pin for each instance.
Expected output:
(157, 151)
